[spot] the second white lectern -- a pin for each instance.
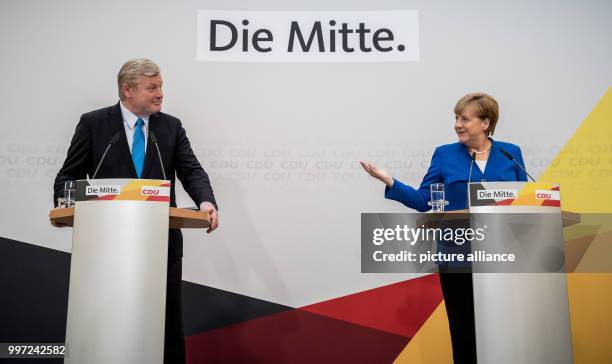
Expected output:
(521, 312)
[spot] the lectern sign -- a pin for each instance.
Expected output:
(102, 190)
(514, 194)
(123, 189)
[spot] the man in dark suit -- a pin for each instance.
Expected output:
(136, 118)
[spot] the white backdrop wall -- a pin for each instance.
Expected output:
(281, 141)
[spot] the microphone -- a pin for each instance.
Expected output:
(509, 156)
(473, 158)
(471, 166)
(110, 143)
(161, 162)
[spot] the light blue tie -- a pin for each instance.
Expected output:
(138, 147)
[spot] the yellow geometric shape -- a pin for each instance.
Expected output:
(590, 299)
(431, 344)
(583, 168)
(598, 256)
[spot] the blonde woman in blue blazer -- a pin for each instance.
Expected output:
(476, 115)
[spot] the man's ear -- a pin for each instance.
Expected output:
(127, 91)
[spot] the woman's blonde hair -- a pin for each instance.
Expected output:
(483, 105)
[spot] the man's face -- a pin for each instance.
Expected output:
(144, 98)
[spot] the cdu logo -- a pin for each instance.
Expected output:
(547, 195)
(154, 191)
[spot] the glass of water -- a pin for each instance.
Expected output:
(69, 193)
(437, 197)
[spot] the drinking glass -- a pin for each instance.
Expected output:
(437, 202)
(69, 193)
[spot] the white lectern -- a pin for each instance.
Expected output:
(521, 315)
(117, 295)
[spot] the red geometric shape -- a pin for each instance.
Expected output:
(294, 337)
(400, 308)
(159, 198)
(553, 203)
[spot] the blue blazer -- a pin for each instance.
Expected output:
(450, 165)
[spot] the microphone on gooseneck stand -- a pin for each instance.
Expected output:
(110, 143)
(471, 167)
(509, 156)
(161, 162)
(473, 158)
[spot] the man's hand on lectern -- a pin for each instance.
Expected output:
(57, 224)
(214, 216)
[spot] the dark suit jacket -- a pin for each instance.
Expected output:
(92, 135)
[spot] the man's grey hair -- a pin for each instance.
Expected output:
(132, 70)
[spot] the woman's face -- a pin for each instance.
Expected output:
(470, 129)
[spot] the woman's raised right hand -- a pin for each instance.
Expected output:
(378, 173)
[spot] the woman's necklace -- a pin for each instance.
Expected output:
(484, 151)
